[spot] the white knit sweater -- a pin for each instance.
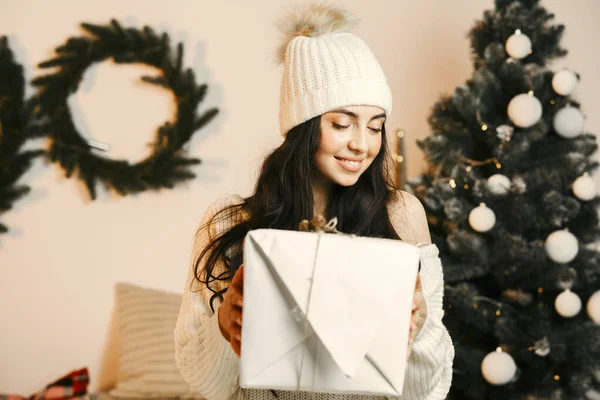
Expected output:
(210, 366)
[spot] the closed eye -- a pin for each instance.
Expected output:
(340, 127)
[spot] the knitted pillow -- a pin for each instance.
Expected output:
(146, 322)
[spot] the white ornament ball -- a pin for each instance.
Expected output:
(482, 218)
(584, 188)
(518, 45)
(593, 307)
(568, 122)
(564, 82)
(562, 246)
(498, 184)
(524, 110)
(567, 304)
(498, 368)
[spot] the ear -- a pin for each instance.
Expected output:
(409, 219)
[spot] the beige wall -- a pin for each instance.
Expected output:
(64, 253)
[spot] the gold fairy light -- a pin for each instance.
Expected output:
(476, 163)
(484, 127)
(452, 183)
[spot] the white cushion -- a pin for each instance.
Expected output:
(146, 322)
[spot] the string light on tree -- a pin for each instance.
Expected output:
(498, 367)
(518, 45)
(564, 82)
(593, 307)
(498, 184)
(482, 218)
(524, 110)
(584, 187)
(562, 246)
(567, 304)
(568, 122)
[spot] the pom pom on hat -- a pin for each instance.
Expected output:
(326, 66)
(311, 21)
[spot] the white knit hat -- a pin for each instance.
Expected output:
(326, 67)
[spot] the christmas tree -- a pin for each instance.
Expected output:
(14, 132)
(513, 209)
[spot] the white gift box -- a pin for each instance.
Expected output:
(326, 312)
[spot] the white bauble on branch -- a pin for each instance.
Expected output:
(562, 246)
(498, 367)
(482, 218)
(564, 82)
(524, 110)
(518, 45)
(593, 307)
(567, 304)
(498, 184)
(584, 187)
(568, 122)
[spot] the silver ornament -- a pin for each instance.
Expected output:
(504, 132)
(519, 184)
(542, 347)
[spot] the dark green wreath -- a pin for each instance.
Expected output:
(14, 119)
(167, 164)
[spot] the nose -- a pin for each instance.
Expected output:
(358, 142)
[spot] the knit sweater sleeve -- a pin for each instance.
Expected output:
(429, 372)
(204, 357)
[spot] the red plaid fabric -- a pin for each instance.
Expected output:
(72, 386)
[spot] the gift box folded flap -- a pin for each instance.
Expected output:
(355, 283)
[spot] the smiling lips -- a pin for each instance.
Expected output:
(350, 164)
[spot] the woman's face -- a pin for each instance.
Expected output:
(350, 140)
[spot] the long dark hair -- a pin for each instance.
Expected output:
(283, 197)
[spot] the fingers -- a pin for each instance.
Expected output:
(236, 333)
(237, 347)
(418, 284)
(238, 279)
(235, 297)
(413, 332)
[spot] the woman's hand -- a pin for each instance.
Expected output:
(419, 315)
(230, 312)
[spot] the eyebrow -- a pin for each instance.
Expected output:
(353, 115)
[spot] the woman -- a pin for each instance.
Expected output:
(333, 107)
